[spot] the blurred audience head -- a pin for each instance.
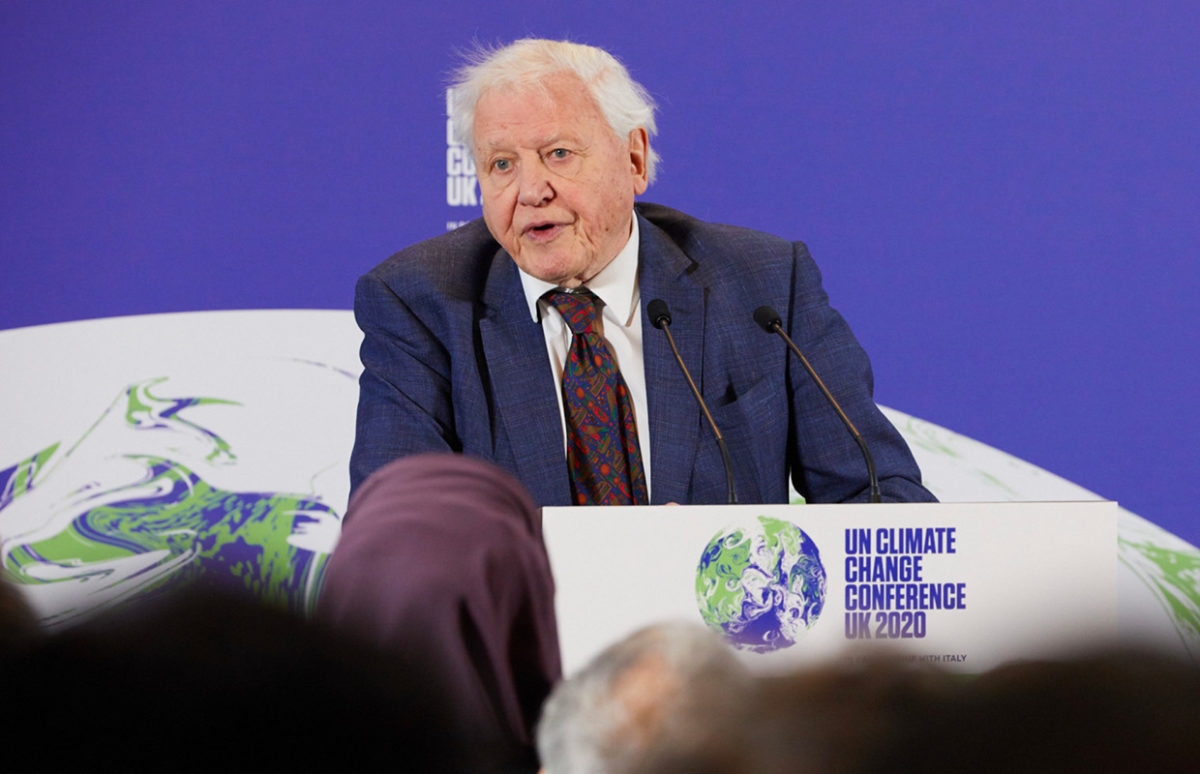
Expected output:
(827, 719)
(1112, 711)
(18, 624)
(202, 679)
(1116, 711)
(606, 717)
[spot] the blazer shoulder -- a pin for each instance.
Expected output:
(720, 254)
(693, 235)
(455, 264)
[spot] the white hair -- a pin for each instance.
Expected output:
(625, 104)
(588, 725)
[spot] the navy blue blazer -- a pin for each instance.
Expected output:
(454, 362)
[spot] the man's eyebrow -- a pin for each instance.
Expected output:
(486, 145)
(564, 139)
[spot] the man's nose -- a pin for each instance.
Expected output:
(535, 185)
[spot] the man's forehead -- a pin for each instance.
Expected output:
(552, 86)
(547, 110)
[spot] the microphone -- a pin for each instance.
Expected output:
(660, 317)
(768, 319)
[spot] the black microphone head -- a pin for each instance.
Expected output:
(658, 313)
(767, 318)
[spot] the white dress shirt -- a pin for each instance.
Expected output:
(619, 324)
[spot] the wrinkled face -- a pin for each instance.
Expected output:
(557, 183)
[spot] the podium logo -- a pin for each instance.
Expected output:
(762, 586)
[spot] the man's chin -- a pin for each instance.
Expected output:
(560, 273)
(567, 281)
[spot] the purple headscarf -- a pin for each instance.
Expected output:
(441, 561)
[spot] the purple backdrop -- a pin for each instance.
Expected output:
(1004, 197)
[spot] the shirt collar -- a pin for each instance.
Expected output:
(615, 285)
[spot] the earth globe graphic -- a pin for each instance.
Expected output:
(761, 585)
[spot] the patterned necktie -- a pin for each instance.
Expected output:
(602, 442)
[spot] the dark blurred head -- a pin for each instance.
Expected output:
(208, 680)
(18, 625)
(1118, 711)
(1112, 711)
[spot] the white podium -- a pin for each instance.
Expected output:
(966, 585)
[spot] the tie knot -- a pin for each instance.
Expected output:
(578, 308)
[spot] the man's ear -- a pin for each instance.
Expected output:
(639, 154)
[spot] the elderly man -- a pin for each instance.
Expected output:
(524, 339)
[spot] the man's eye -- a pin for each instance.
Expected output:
(501, 165)
(559, 153)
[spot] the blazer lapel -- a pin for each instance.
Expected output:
(663, 272)
(519, 369)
